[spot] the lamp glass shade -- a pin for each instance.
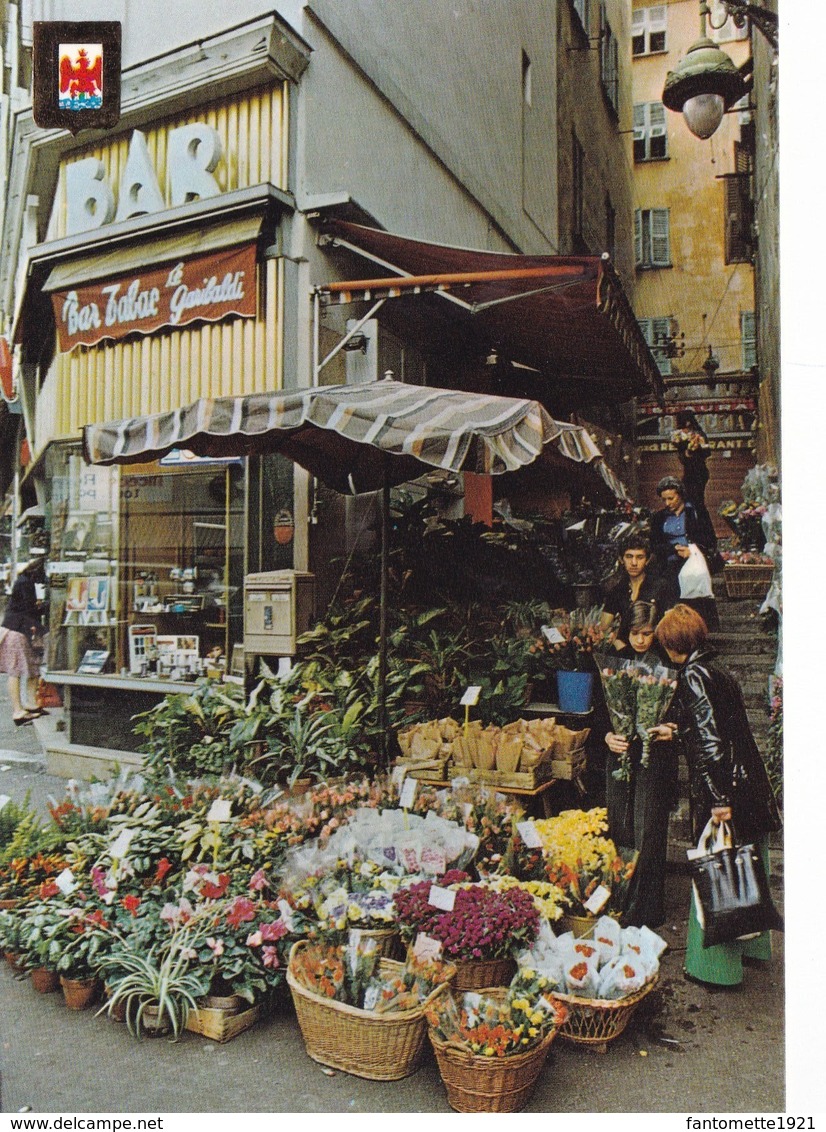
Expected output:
(703, 114)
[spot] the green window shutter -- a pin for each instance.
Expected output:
(660, 243)
(637, 236)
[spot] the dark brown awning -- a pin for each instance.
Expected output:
(565, 315)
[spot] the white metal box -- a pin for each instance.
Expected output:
(278, 607)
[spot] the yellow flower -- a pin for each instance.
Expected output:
(536, 1017)
(529, 973)
(532, 1030)
(489, 1051)
(520, 1004)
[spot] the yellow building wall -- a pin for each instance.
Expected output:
(154, 373)
(704, 294)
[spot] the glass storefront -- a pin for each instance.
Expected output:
(145, 566)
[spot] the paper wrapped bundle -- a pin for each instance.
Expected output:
(484, 750)
(565, 741)
(508, 752)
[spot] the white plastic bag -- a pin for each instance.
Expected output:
(695, 579)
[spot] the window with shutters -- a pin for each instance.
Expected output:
(652, 244)
(650, 135)
(581, 9)
(648, 30)
(609, 61)
(739, 217)
(748, 339)
(656, 332)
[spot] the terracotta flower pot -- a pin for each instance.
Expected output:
(45, 981)
(117, 1012)
(79, 994)
(13, 959)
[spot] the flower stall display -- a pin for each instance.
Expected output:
(492, 1045)
(360, 1012)
(475, 926)
(577, 857)
(600, 978)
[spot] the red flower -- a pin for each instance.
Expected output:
(241, 910)
(47, 889)
(163, 868)
(131, 904)
(211, 891)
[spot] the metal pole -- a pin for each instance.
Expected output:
(385, 530)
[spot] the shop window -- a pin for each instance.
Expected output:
(652, 243)
(748, 339)
(145, 566)
(609, 62)
(650, 134)
(648, 30)
(657, 332)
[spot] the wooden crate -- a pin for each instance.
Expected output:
(569, 766)
(747, 581)
(221, 1025)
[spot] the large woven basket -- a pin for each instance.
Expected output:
(748, 580)
(489, 1084)
(386, 939)
(475, 974)
(380, 1047)
(596, 1021)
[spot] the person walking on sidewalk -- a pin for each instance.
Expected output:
(727, 778)
(21, 643)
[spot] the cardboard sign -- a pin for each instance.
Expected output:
(443, 898)
(597, 900)
(426, 947)
(118, 848)
(408, 793)
(527, 831)
(471, 696)
(220, 810)
(66, 882)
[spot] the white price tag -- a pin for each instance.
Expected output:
(220, 810)
(118, 848)
(527, 831)
(426, 947)
(443, 898)
(408, 793)
(371, 997)
(4, 800)
(66, 882)
(286, 912)
(460, 782)
(596, 901)
(397, 777)
(552, 635)
(471, 696)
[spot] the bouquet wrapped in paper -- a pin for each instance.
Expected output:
(620, 687)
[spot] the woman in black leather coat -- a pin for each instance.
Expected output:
(726, 773)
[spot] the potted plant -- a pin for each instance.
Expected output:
(242, 954)
(574, 638)
(73, 937)
(481, 933)
(156, 989)
(10, 927)
(34, 950)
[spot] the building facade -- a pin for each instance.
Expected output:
(694, 253)
(174, 258)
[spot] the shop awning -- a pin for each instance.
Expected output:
(354, 437)
(568, 316)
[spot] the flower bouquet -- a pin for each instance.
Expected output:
(689, 441)
(481, 932)
(585, 864)
(619, 687)
(491, 1046)
(655, 691)
(574, 637)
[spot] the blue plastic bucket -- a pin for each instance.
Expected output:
(574, 690)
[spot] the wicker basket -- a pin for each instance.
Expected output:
(596, 1021)
(387, 941)
(748, 581)
(380, 1047)
(489, 1084)
(475, 974)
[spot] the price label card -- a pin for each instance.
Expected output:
(397, 777)
(120, 845)
(220, 810)
(460, 782)
(408, 793)
(527, 831)
(286, 912)
(4, 800)
(443, 898)
(66, 882)
(597, 900)
(426, 947)
(552, 635)
(371, 997)
(471, 696)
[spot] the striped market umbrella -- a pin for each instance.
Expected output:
(357, 438)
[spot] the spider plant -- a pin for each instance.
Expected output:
(162, 981)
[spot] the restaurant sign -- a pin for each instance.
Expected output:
(206, 287)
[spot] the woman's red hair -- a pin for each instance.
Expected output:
(682, 630)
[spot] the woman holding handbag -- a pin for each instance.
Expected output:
(21, 642)
(727, 777)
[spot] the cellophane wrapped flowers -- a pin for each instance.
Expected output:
(496, 1027)
(483, 924)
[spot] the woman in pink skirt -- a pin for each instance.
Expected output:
(21, 638)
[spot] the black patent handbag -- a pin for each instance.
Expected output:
(731, 888)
